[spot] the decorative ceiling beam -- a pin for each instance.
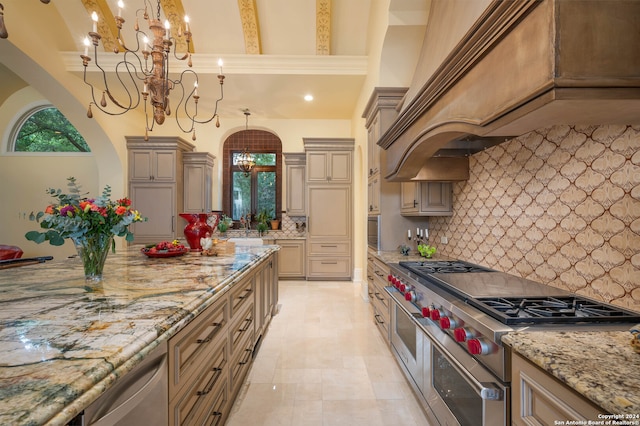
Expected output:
(250, 26)
(174, 12)
(323, 27)
(106, 23)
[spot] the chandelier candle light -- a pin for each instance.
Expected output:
(148, 65)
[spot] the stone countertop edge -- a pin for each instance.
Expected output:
(57, 408)
(599, 365)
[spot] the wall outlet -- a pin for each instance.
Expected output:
(444, 240)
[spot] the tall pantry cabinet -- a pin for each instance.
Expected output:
(156, 185)
(329, 208)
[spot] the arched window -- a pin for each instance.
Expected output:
(45, 129)
(261, 188)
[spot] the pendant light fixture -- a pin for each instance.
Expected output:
(245, 161)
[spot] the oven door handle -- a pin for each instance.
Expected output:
(488, 391)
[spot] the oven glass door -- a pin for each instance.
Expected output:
(460, 391)
(457, 394)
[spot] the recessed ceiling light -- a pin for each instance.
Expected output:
(308, 98)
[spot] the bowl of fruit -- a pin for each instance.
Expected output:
(164, 249)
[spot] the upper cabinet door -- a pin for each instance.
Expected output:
(329, 167)
(426, 199)
(152, 165)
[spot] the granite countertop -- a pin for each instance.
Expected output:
(62, 342)
(600, 365)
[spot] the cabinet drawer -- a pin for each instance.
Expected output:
(195, 342)
(382, 323)
(329, 267)
(330, 248)
(240, 362)
(216, 408)
(240, 328)
(188, 405)
(381, 302)
(240, 295)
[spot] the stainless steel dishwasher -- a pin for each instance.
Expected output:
(141, 397)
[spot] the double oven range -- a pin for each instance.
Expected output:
(447, 319)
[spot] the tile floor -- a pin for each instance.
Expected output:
(323, 362)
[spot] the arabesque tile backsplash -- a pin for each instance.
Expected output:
(559, 205)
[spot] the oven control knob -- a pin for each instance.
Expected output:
(390, 278)
(397, 283)
(410, 296)
(435, 314)
(478, 347)
(426, 312)
(461, 334)
(447, 322)
(403, 287)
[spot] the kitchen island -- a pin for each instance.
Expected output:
(64, 342)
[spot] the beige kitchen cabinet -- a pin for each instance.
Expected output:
(329, 160)
(156, 186)
(295, 171)
(291, 259)
(329, 208)
(329, 231)
(265, 280)
(209, 358)
(377, 273)
(198, 359)
(198, 181)
(540, 399)
(426, 199)
(373, 194)
(149, 164)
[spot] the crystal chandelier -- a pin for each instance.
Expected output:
(146, 63)
(245, 160)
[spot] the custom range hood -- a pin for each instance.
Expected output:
(493, 70)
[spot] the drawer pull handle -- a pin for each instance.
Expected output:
(329, 245)
(247, 292)
(216, 374)
(329, 263)
(377, 318)
(378, 273)
(216, 327)
(247, 357)
(246, 327)
(379, 298)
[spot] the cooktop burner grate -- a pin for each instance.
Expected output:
(442, 266)
(570, 309)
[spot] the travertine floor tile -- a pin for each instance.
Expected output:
(323, 363)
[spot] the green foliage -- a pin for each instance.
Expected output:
(224, 223)
(81, 218)
(47, 130)
(426, 250)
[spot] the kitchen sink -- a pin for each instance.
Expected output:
(246, 241)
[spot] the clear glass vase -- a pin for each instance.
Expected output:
(93, 251)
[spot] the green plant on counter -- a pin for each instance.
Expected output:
(426, 250)
(224, 223)
(262, 218)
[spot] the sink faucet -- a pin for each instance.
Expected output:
(245, 221)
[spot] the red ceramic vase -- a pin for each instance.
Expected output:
(196, 228)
